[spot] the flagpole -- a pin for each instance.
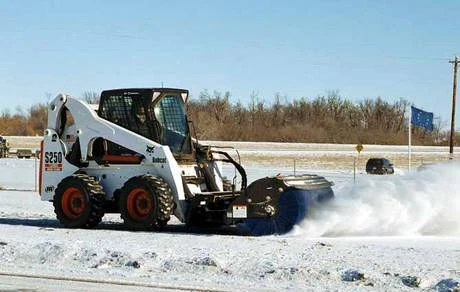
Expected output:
(410, 137)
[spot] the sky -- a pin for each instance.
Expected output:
(362, 49)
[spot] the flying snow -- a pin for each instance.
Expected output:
(425, 202)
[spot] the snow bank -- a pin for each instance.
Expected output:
(18, 173)
(33, 242)
(420, 203)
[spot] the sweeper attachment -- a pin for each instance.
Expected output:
(135, 155)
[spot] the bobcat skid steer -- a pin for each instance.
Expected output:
(136, 156)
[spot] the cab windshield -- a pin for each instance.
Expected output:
(170, 114)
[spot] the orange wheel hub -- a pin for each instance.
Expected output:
(139, 204)
(73, 203)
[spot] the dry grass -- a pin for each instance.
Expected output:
(340, 161)
(320, 156)
(27, 142)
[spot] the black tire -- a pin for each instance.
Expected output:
(146, 203)
(79, 201)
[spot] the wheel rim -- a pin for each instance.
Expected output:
(73, 203)
(139, 204)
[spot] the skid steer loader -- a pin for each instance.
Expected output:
(136, 156)
(4, 148)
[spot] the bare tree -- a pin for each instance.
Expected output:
(91, 97)
(48, 96)
(322, 119)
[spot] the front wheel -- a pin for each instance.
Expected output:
(146, 203)
(79, 201)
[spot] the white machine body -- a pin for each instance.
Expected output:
(87, 127)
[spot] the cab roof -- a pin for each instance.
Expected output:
(150, 89)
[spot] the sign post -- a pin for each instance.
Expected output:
(35, 171)
(358, 148)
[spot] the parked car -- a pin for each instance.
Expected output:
(379, 166)
(24, 153)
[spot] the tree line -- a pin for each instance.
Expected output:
(33, 121)
(323, 119)
(24, 123)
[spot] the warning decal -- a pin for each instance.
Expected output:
(53, 166)
(240, 211)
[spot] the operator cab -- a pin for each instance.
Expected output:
(156, 113)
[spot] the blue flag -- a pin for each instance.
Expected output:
(422, 118)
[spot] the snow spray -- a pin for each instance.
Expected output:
(425, 202)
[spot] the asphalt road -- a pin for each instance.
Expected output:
(10, 282)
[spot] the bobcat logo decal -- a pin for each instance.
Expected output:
(150, 149)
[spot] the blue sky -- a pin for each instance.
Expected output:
(363, 49)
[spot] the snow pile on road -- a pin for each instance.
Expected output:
(224, 262)
(420, 203)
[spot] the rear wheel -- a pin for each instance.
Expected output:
(146, 203)
(79, 201)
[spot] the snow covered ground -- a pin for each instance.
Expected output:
(306, 155)
(384, 233)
